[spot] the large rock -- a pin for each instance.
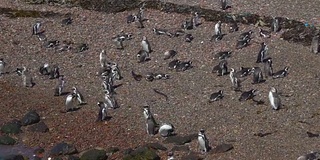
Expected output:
(13, 127)
(94, 154)
(39, 127)
(180, 140)
(142, 153)
(63, 149)
(6, 140)
(13, 157)
(222, 148)
(31, 117)
(156, 146)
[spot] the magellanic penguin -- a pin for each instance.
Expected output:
(233, 27)
(27, 79)
(115, 72)
(275, 25)
(82, 47)
(221, 68)
(245, 35)
(248, 95)
(203, 141)
(78, 95)
(54, 72)
(69, 102)
(2, 66)
(148, 115)
(111, 102)
(66, 21)
(151, 126)
(170, 156)
(281, 74)
(234, 80)
(216, 96)
(243, 43)
(262, 53)
(143, 56)
(52, 44)
(224, 4)
(173, 64)
(264, 33)
(45, 69)
(188, 38)
(243, 72)
(158, 31)
(182, 66)
(217, 28)
(102, 111)
(222, 55)
(60, 86)
(119, 42)
(257, 75)
(268, 70)
(146, 45)
(103, 58)
(274, 98)
(166, 130)
(42, 37)
(169, 54)
(36, 28)
(315, 44)
(196, 20)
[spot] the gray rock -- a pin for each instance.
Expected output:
(13, 127)
(156, 146)
(13, 157)
(31, 117)
(94, 154)
(63, 149)
(39, 127)
(71, 157)
(6, 140)
(180, 148)
(222, 148)
(180, 140)
(142, 153)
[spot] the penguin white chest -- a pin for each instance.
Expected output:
(271, 99)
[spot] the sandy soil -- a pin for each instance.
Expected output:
(226, 121)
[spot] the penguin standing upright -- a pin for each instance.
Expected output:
(102, 111)
(103, 58)
(217, 28)
(274, 98)
(78, 95)
(268, 70)
(315, 44)
(234, 80)
(110, 100)
(196, 20)
(275, 25)
(262, 53)
(36, 28)
(143, 56)
(151, 126)
(69, 102)
(60, 86)
(257, 75)
(203, 141)
(146, 45)
(27, 79)
(2, 66)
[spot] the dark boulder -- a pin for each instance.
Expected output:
(13, 127)
(142, 153)
(6, 140)
(63, 149)
(31, 117)
(39, 127)
(180, 140)
(94, 154)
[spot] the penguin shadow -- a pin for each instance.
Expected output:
(62, 94)
(70, 110)
(108, 118)
(262, 134)
(261, 81)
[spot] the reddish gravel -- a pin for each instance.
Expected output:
(226, 121)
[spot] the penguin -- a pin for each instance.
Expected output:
(182, 66)
(63, 47)
(216, 96)
(69, 102)
(187, 24)
(247, 95)
(178, 33)
(27, 79)
(143, 56)
(173, 64)
(78, 95)
(60, 86)
(54, 72)
(170, 156)
(51, 44)
(125, 36)
(315, 44)
(102, 111)
(139, 22)
(135, 76)
(224, 4)
(245, 35)
(196, 20)
(150, 77)
(161, 76)
(262, 53)
(66, 21)
(166, 130)
(160, 31)
(281, 74)
(146, 112)
(257, 75)
(234, 80)
(140, 12)
(82, 47)
(217, 28)
(107, 85)
(274, 99)
(115, 72)
(221, 68)
(111, 101)
(119, 42)
(130, 18)
(19, 71)
(169, 54)
(36, 28)
(203, 141)
(188, 38)
(275, 25)
(146, 45)
(103, 58)
(243, 43)
(222, 55)
(151, 126)
(264, 33)
(2, 66)
(41, 37)
(45, 69)
(243, 72)
(268, 70)
(233, 27)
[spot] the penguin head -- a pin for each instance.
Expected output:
(232, 70)
(220, 91)
(1, 59)
(286, 68)
(74, 89)
(273, 90)
(202, 131)
(144, 38)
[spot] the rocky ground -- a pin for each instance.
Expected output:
(226, 121)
